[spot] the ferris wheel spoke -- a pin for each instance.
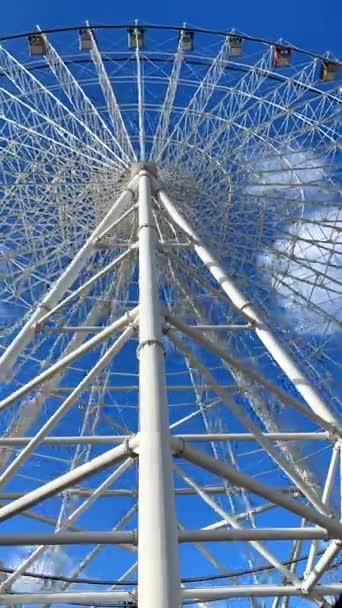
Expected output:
(53, 136)
(199, 100)
(244, 242)
(163, 126)
(81, 103)
(54, 110)
(65, 281)
(122, 138)
(249, 83)
(244, 133)
(140, 97)
(305, 302)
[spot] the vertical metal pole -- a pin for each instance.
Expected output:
(158, 573)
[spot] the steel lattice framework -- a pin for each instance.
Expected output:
(171, 311)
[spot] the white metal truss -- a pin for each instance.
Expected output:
(170, 408)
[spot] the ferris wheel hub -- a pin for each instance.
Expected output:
(149, 166)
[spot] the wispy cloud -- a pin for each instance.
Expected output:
(303, 262)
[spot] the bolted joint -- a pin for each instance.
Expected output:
(148, 226)
(177, 446)
(150, 343)
(131, 450)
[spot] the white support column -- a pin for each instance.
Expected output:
(59, 484)
(69, 358)
(189, 595)
(328, 487)
(65, 406)
(247, 422)
(158, 576)
(66, 279)
(246, 308)
(224, 470)
(248, 372)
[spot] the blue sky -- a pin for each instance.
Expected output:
(315, 24)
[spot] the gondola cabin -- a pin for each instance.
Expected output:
(235, 45)
(136, 37)
(85, 39)
(187, 41)
(282, 57)
(329, 71)
(36, 44)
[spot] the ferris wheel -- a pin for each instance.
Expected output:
(170, 318)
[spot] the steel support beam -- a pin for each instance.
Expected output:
(69, 358)
(59, 288)
(192, 437)
(188, 595)
(74, 476)
(184, 536)
(158, 578)
(237, 478)
(246, 308)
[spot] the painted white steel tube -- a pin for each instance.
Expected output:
(219, 593)
(245, 481)
(241, 303)
(322, 565)
(201, 594)
(65, 406)
(68, 479)
(193, 437)
(249, 372)
(62, 363)
(184, 536)
(69, 538)
(328, 488)
(58, 289)
(158, 578)
(252, 534)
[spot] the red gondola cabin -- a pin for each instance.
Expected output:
(282, 57)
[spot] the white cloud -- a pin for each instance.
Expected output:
(53, 561)
(307, 271)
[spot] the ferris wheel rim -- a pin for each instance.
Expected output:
(176, 28)
(182, 260)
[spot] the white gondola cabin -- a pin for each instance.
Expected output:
(85, 39)
(329, 71)
(187, 40)
(235, 45)
(282, 57)
(136, 37)
(36, 44)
